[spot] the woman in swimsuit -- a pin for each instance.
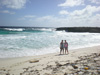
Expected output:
(66, 47)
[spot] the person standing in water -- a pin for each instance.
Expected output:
(66, 47)
(61, 47)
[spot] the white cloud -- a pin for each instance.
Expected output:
(88, 16)
(49, 21)
(67, 21)
(95, 1)
(88, 10)
(44, 18)
(29, 16)
(7, 12)
(95, 20)
(64, 12)
(15, 4)
(72, 3)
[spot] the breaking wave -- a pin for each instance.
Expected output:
(14, 29)
(29, 29)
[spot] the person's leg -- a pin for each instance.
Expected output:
(60, 51)
(63, 50)
(67, 51)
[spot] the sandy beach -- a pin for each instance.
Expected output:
(83, 61)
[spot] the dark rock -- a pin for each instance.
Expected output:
(65, 74)
(74, 66)
(7, 74)
(58, 64)
(21, 74)
(33, 61)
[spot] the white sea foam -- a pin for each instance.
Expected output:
(31, 43)
(14, 29)
(44, 29)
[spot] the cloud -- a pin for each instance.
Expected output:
(27, 17)
(72, 3)
(50, 21)
(95, 20)
(65, 21)
(95, 1)
(7, 12)
(88, 16)
(14, 4)
(64, 12)
(88, 10)
(44, 18)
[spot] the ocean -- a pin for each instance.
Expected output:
(19, 42)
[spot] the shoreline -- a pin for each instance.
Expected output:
(74, 49)
(44, 64)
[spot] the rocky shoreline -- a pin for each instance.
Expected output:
(80, 29)
(86, 65)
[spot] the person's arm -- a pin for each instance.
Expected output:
(60, 45)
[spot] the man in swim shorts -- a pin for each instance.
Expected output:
(61, 47)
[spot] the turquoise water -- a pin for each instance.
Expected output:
(18, 42)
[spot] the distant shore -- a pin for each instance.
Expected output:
(67, 29)
(78, 61)
(80, 29)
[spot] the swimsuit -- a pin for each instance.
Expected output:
(62, 45)
(65, 45)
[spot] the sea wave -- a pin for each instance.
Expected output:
(14, 29)
(29, 29)
(44, 29)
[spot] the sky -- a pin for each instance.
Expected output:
(50, 13)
